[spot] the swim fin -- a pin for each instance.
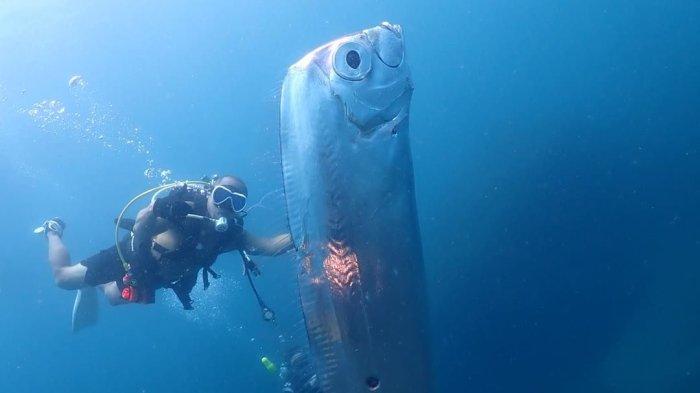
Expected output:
(85, 308)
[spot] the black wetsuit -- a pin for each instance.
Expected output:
(106, 266)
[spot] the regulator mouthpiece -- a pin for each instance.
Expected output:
(221, 224)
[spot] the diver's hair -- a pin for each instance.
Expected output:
(234, 181)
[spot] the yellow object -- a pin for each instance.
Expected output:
(269, 366)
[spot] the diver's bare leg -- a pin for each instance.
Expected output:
(69, 276)
(66, 276)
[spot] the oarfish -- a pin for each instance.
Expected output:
(351, 208)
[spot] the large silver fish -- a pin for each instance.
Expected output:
(349, 189)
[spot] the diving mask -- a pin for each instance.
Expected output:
(224, 197)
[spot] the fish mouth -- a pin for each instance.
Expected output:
(388, 130)
(384, 120)
(390, 127)
(392, 27)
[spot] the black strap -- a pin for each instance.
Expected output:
(126, 223)
(182, 289)
(248, 263)
(182, 293)
(184, 297)
(206, 271)
(255, 291)
(160, 249)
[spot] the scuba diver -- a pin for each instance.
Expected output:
(172, 239)
(297, 373)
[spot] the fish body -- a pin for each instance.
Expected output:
(349, 191)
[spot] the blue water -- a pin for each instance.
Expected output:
(556, 159)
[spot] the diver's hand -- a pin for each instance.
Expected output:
(171, 210)
(252, 267)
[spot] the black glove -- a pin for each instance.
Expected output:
(171, 209)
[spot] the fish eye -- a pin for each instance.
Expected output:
(372, 383)
(352, 61)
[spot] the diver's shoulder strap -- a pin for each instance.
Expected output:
(126, 223)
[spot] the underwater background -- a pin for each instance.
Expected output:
(557, 174)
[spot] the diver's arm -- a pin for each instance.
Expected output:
(158, 217)
(148, 225)
(269, 246)
(254, 245)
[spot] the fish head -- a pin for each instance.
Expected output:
(368, 76)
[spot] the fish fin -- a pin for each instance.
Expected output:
(292, 118)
